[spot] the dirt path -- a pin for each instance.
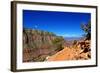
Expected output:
(68, 54)
(65, 54)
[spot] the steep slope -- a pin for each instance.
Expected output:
(73, 53)
(38, 44)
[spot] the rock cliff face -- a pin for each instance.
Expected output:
(37, 45)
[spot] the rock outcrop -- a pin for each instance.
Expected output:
(37, 45)
(79, 51)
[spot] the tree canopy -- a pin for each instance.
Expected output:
(87, 29)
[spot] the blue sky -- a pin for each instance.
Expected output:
(66, 24)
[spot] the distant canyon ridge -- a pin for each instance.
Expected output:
(39, 46)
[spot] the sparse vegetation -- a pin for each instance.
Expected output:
(74, 42)
(38, 45)
(35, 40)
(87, 29)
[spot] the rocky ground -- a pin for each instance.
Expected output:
(79, 51)
(39, 46)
